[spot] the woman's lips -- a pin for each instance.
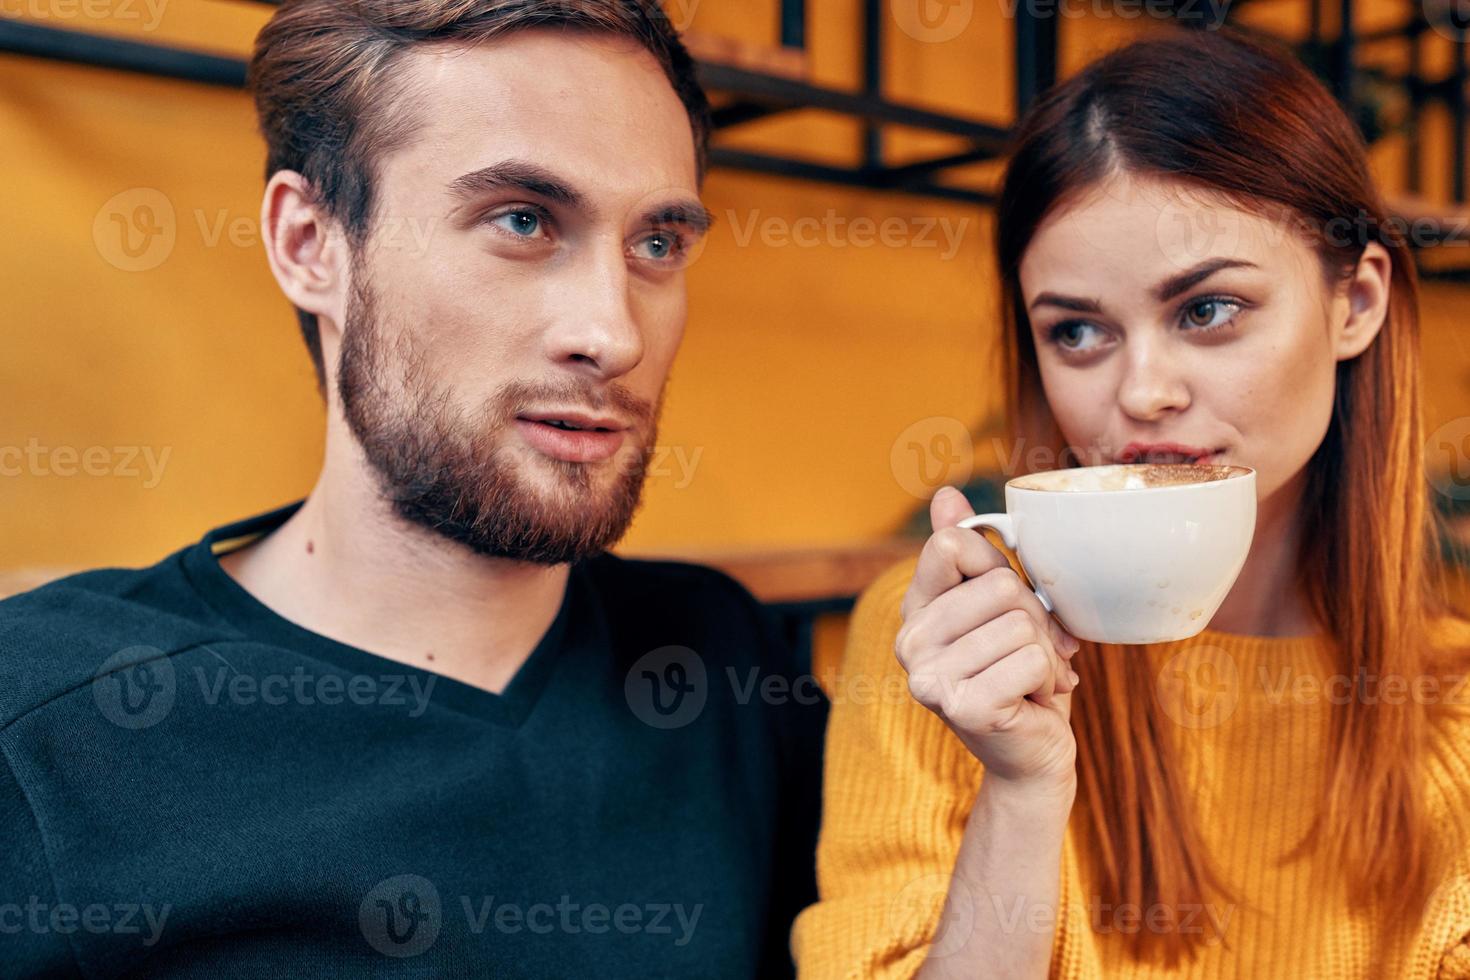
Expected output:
(1166, 452)
(582, 446)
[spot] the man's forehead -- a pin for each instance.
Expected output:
(598, 110)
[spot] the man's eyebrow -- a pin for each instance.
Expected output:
(1163, 292)
(690, 213)
(1201, 271)
(520, 175)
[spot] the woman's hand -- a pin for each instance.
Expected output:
(983, 654)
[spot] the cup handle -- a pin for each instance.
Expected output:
(1001, 524)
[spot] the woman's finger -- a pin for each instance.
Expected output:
(950, 556)
(985, 597)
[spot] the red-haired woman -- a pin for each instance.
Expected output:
(1194, 259)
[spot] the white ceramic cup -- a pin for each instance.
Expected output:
(1130, 553)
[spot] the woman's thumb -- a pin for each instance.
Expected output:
(948, 508)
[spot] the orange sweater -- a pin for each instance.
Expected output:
(899, 786)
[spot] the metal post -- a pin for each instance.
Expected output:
(1457, 107)
(101, 51)
(1414, 149)
(1036, 54)
(793, 23)
(1342, 62)
(873, 79)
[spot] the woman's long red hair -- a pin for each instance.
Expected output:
(1240, 119)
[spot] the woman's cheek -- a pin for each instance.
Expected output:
(1082, 414)
(1281, 416)
(1086, 432)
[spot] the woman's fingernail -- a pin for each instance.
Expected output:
(1075, 679)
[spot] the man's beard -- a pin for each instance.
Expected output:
(460, 476)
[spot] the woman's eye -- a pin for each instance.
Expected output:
(663, 247)
(1207, 314)
(1072, 334)
(525, 224)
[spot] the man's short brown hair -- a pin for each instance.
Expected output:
(327, 95)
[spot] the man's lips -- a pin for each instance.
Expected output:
(1165, 452)
(571, 445)
(574, 418)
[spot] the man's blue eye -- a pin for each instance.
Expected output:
(661, 246)
(523, 223)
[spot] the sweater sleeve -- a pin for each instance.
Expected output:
(897, 791)
(30, 945)
(1449, 785)
(1455, 962)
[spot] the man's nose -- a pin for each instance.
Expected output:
(597, 330)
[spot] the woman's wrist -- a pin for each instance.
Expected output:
(1036, 795)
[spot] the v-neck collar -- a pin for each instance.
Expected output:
(257, 621)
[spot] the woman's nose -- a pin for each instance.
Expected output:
(1153, 385)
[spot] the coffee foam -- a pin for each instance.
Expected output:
(1128, 476)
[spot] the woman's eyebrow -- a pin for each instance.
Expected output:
(1066, 303)
(1163, 292)
(1201, 271)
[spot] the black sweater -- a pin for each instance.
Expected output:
(190, 785)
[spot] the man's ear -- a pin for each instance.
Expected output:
(304, 248)
(1367, 302)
